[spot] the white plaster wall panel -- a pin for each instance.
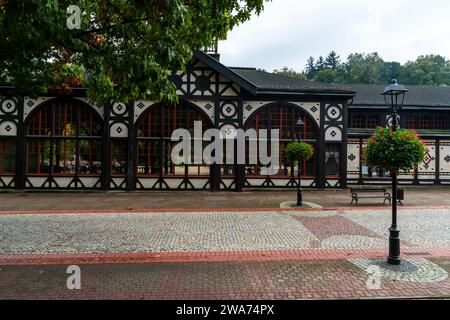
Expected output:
(307, 182)
(203, 82)
(173, 183)
(199, 183)
(36, 182)
(256, 182)
(333, 133)
(147, 183)
(228, 90)
(333, 183)
(334, 112)
(444, 158)
(63, 182)
(118, 182)
(89, 182)
(428, 166)
(119, 130)
(98, 107)
(227, 182)
(313, 108)
(280, 182)
(7, 180)
(140, 107)
(251, 107)
(8, 128)
(119, 109)
(207, 106)
(353, 157)
(9, 106)
(229, 110)
(30, 104)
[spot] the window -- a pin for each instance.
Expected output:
(412, 122)
(426, 123)
(441, 122)
(64, 138)
(293, 124)
(7, 156)
(332, 155)
(373, 121)
(154, 145)
(119, 157)
(358, 121)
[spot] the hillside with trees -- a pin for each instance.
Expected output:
(372, 69)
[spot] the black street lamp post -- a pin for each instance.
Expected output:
(299, 122)
(396, 93)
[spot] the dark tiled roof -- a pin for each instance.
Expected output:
(417, 96)
(266, 81)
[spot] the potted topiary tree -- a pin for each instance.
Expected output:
(297, 152)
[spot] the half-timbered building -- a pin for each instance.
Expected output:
(66, 142)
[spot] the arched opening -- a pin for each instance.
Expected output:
(63, 138)
(154, 145)
(293, 123)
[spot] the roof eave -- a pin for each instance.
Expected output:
(349, 94)
(226, 72)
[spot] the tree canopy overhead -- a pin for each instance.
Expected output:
(123, 50)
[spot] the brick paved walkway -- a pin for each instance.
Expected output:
(270, 254)
(211, 280)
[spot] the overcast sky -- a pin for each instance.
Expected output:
(290, 31)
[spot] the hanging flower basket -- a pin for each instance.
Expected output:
(395, 151)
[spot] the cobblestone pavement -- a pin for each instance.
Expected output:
(219, 231)
(414, 196)
(329, 279)
(256, 255)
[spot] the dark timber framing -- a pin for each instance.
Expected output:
(209, 87)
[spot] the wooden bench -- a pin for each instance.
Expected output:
(370, 193)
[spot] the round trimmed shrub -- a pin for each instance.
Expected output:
(299, 151)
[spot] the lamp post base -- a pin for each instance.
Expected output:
(394, 246)
(299, 198)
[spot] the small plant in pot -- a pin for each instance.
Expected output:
(297, 152)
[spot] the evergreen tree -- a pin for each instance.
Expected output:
(310, 69)
(332, 61)
(320, 64)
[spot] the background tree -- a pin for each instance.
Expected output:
(310, 69)
(320, 64)
(389, 71)
(124, 50)
(332, 61)
(362, 68)
(371, 69)
(288, 72)
(328, 76)
(427, 70)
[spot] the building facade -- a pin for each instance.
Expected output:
(426, 109)
(69, 143)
